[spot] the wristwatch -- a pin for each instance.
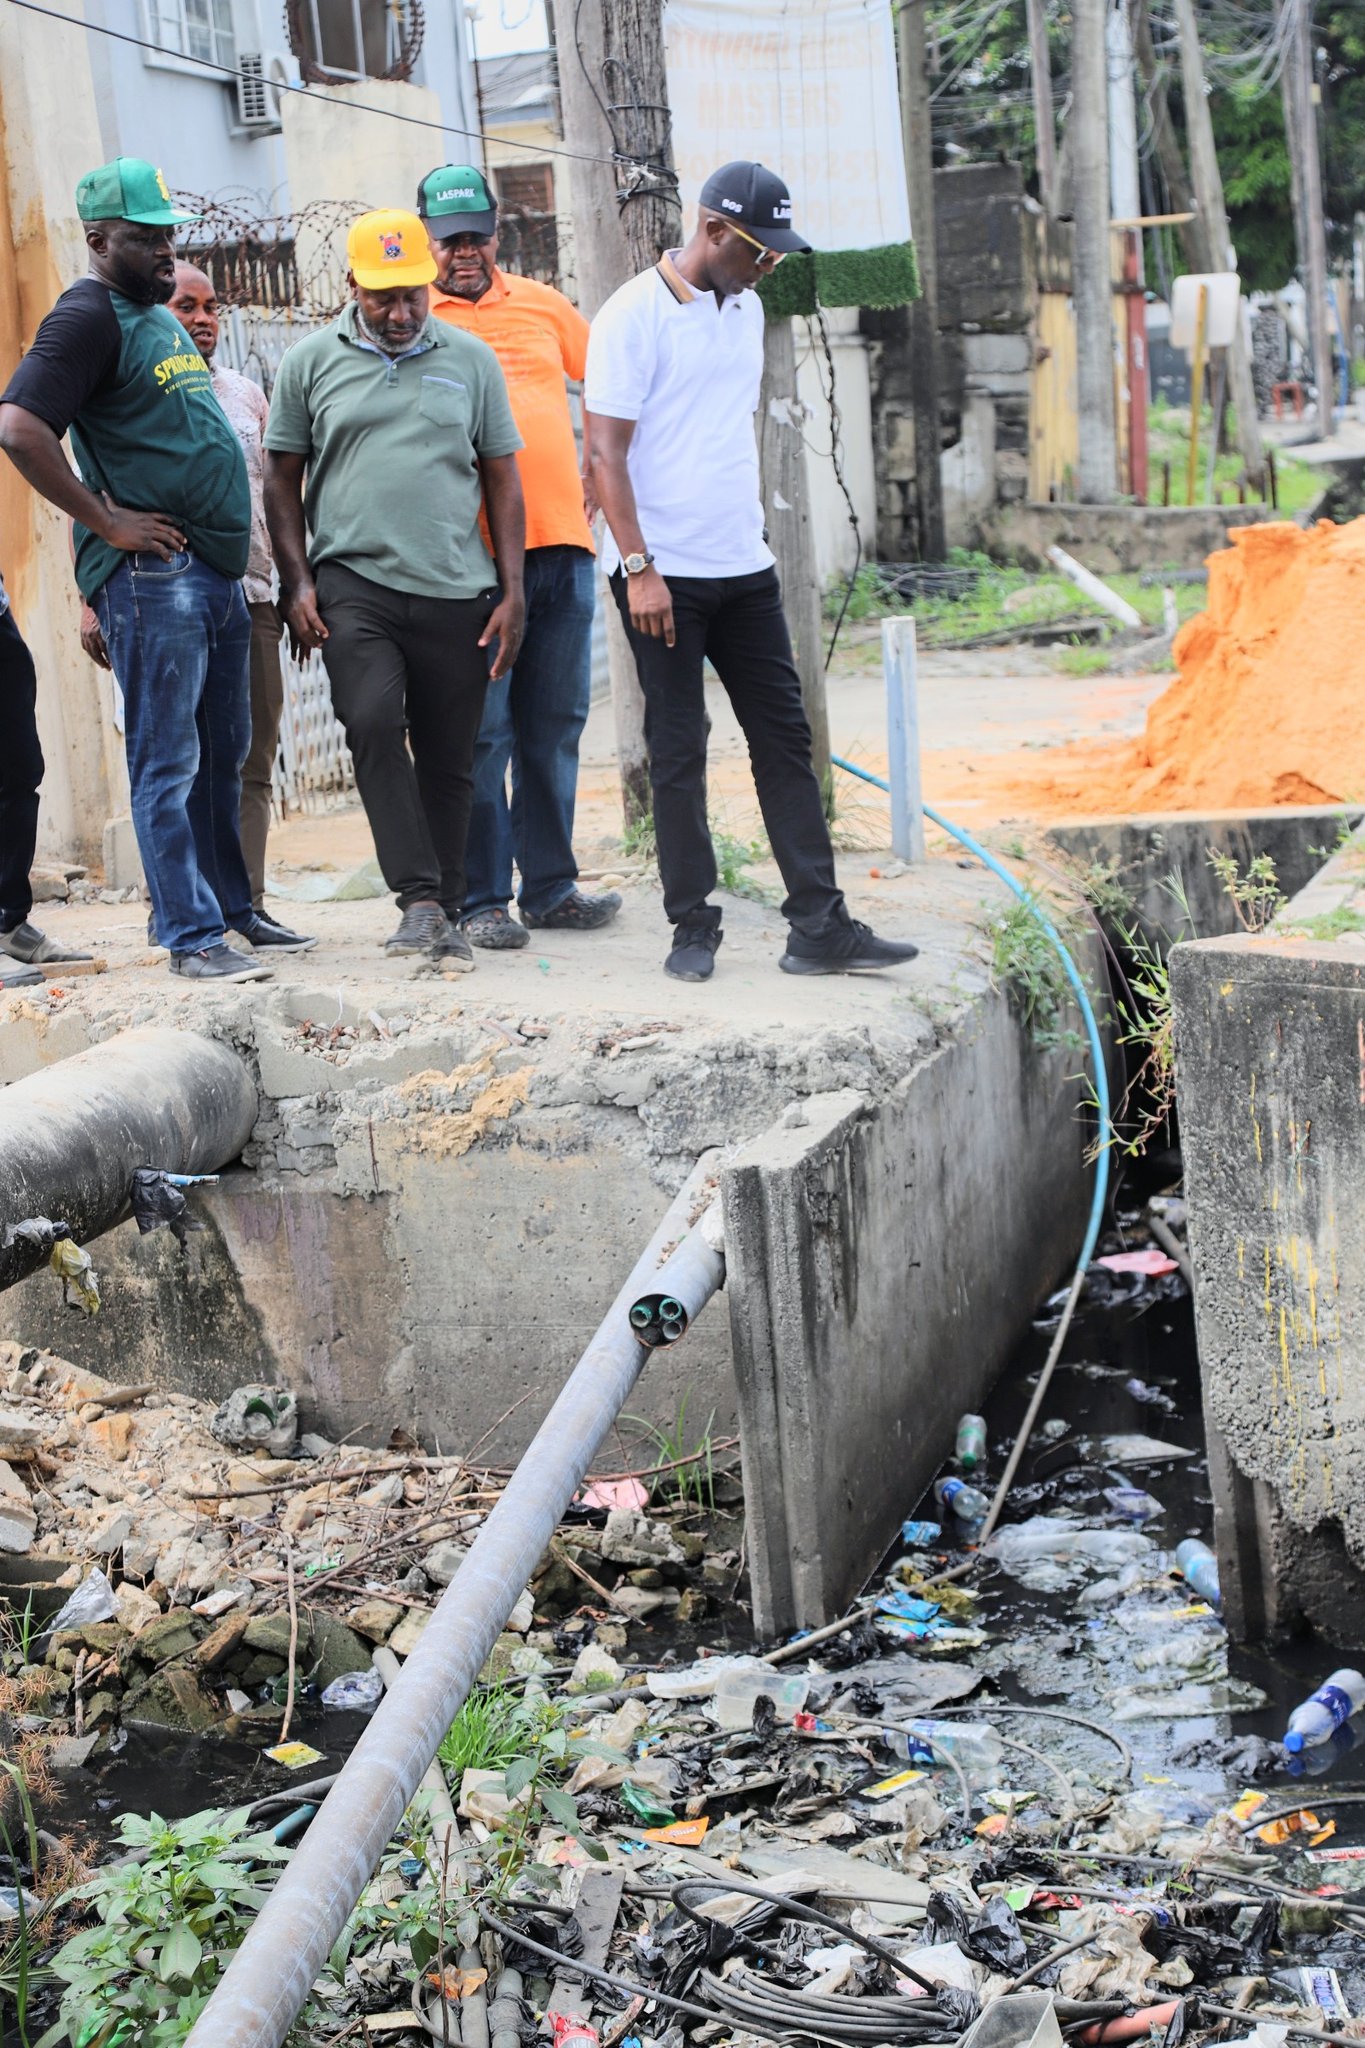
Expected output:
(635, 565)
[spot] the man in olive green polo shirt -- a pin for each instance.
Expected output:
(387, 434)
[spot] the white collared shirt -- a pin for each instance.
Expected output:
(687, 370)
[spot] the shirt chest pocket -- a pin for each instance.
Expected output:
(445, 402)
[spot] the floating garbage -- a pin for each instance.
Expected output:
(1139, 1450)
(970, 1446)
(1184, 1702)
(360, 1691)
(920, 1535)
(1335, 1700)
(1198, 1567)
(1133, 1504)
(1049, 1553)
(964, 1501)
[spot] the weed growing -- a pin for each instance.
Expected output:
(693, 1474)
(1027, 965)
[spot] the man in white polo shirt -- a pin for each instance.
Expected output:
(675, 359)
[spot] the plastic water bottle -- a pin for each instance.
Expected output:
(1342, 1695)
(966, 1502)
(1198, 1566)
(972, 1744)
(971, 1442)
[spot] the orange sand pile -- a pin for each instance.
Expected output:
(1269, 704)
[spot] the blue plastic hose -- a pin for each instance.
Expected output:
(1072, 972)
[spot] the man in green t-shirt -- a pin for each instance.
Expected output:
(162, 517)
(387, 434)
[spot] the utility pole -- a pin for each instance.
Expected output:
(1208, 193)
(1091, 274)
(917, 142)
(785, 485)
(1125, 193)
(1301, 133)
(613, 99)
(1044, 123)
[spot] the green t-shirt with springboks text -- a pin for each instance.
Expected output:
(146, 427)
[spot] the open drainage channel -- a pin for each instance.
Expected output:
(914, 1876)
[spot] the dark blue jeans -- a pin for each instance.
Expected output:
(533, 719)
(179, 640)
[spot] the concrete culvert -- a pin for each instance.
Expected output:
(72, 1136)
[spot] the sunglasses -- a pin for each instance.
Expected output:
(770, 258)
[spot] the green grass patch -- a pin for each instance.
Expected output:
(1329, 924)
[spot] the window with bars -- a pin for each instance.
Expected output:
(193, 28)
(350, 38)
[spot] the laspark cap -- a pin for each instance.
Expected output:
(454, 199)
(756, 200)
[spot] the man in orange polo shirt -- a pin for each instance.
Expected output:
(534, 717)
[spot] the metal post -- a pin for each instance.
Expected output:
(1092, 281)
(902, 738)
(267, 1981)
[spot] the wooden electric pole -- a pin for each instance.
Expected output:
(1208, 194)
(1092, 259)
(613, 100)
(1044, 123)
(1310, 227)
(917, 142)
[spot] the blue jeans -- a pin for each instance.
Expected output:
(534, 718)
(179, 640)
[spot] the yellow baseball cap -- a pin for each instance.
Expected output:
(389, 248)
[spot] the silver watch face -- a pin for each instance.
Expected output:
(636, 564)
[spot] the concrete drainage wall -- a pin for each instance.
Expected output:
(1271, 1095)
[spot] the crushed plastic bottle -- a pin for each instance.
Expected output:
(571, 2030)
(1198, 1567)
(360, 1691)
(973, 1744)
(966, 1502)
(970, 1448)
(1134, 1504)
(1335, 1700)
(919, 1535)
(744, 1680)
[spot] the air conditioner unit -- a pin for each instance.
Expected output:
(260, 76)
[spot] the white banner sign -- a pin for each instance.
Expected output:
(806, 87)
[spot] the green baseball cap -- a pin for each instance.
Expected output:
(129, 189)
(455, 199)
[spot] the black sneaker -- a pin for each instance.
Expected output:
(422, 929)
(577, 913)
(453, 952)
(694, 952)
(495, 929)
(218, 963)
(262, 932)
(843, 946)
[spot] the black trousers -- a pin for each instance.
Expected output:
(738, 624)
(408, 673)
(21, 772)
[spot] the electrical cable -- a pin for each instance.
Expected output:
(802, 1911)
(600, 1976)
(228, 71)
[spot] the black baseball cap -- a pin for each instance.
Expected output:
(455, 199)
(757, 201)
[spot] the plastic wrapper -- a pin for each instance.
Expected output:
(73, 1267)
(360, 1691)
(158, 1202)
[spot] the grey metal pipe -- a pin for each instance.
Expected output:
(72, 1135)
(268, 1979)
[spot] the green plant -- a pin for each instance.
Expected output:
(167, 1924)
(1105, 893)
(639, 842)
(1147, 1023)
(532, 1782)
(1026, 964)
(693, 1474)
(1329, 924)
(1083, 661)
(18, 1971)
(489, 1732)
(733, 857)
(17, 1629)
(1254, 892)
